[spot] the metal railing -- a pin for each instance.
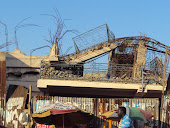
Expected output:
(100, 72)
(94, 37)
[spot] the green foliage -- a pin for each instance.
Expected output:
(123, 46)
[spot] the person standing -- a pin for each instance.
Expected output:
(125, 121)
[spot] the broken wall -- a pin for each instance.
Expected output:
(140, 60)
(121, 64)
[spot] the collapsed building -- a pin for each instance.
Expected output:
(132, 60)
(137, 67)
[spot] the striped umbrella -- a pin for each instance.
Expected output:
(61, 114)
(132, 112)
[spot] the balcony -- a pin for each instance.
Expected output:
(100, 79)
(124, 73)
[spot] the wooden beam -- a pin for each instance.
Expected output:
(29, 109)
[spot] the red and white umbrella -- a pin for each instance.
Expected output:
(51, 114)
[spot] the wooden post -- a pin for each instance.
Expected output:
(110, 107)
(29, 109)
(2, 87)
(163, 81)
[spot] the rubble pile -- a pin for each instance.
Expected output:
(48, 72)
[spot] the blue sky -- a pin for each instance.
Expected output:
(124, 18)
